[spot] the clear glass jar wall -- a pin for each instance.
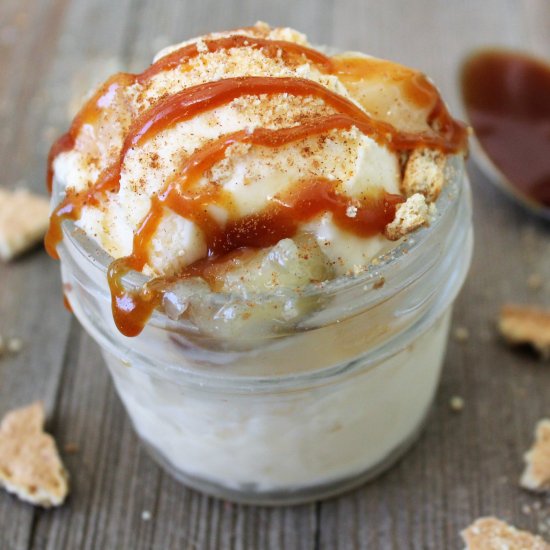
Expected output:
(298, 414)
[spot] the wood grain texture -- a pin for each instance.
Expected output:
(464, 465)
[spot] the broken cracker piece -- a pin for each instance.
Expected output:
(535, 281)
(424, 173)
(461, 334)
(456, 403)
(410, 215)
(536, 475)
(71, 448)
(30, 465)
(24, 218)
(526, 325)
(490, 533)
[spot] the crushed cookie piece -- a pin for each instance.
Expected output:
(461, 334)
(490, 533)
(536, 476)
(30, 465)
(24, 218)
(535, 281)
(14, 345)
(424, 173)
(71, 448)
(456, 403)
(410, 215)
(526, 325)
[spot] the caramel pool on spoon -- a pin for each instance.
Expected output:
(506, 96)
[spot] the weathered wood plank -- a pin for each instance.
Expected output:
(536, 27)
(106, 506)
(464, 464)
(30, 298)
(467, 464)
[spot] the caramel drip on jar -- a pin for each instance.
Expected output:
(283, 215)
(67, 304)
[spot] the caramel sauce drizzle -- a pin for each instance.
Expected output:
(282, 217)
(271, 48)
(95, 105)
(279, 220)
(89, 114)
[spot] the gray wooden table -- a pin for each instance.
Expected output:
(464, 465)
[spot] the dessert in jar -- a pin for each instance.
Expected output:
(266, 242)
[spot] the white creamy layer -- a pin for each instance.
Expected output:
(252, 175)
(287, 442)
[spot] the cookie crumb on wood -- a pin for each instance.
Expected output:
(456, 403)
(24, 218)
(71, 448)
(461, 334)
(526, 325)
(535, 281)
(490, 533)
(536, 475)
(14, 345)
(30, 465)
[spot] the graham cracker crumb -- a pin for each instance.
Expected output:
(535, 281)
(410, 215)
(536, 475)
(30, 465)
(461, 334)
(456, 403)
(10, 345)
(71, 448)
(14, 345)
(526, 325)
(24, 218)
(490, 533)
(424, 173)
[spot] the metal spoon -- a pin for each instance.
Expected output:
(479, 154)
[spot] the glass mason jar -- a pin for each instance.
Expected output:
(316, 407)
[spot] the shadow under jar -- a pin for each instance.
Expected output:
(314, 408)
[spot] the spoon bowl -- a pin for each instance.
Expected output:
(506, 100)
